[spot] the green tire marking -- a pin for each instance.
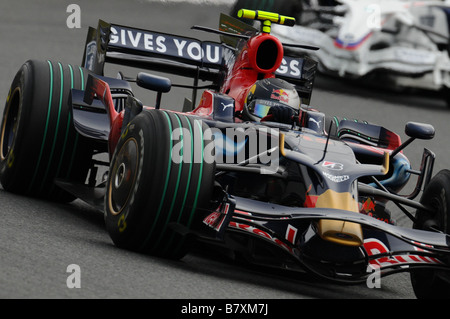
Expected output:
(164, 189)
(57, 126)
(66, 136)
(186, 191)
(72, 159)
(46, 127)
(337, 122)
(71, 76)
(200, 175)
(82, 78)
(190, 171)
(199, 182)
(172, 204)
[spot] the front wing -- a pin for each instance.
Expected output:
(291, 232)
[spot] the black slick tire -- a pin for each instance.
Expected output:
(38, 141)
(428, 284)
(148, 192)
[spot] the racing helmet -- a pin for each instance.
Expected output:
(267, 93)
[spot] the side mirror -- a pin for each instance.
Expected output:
(419, 130)
(415, 130)
(155, 83)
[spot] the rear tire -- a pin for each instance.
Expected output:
(147, 191)
(38, 140)
(427, 284)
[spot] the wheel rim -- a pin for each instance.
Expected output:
(9, 125)
(123, 176)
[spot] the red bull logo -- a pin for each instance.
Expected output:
(280, 95)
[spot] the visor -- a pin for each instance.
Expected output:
(260, 108)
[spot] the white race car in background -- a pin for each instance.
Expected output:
(404, 41)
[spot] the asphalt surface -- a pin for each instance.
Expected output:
(40, 239)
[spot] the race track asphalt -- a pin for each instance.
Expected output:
(40, 239)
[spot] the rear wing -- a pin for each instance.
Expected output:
(173, 54)
(151, 50)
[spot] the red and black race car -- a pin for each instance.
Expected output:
(251, 167)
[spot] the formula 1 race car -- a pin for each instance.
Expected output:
(251, 168)
(401, 43)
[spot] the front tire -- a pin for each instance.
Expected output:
(148, 191)
(428, 284)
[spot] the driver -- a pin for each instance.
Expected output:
(277, 100)
(272, 99)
